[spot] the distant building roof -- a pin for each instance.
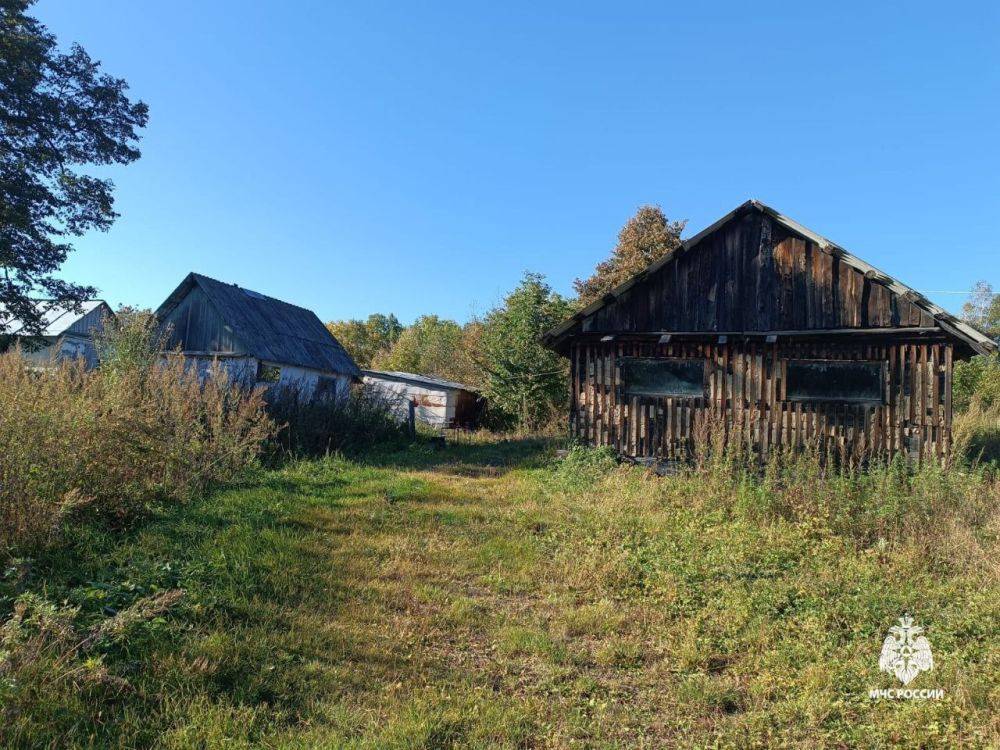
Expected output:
(410, 377)
(270, 329)
(58, 319)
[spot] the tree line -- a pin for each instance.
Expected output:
(525, 384)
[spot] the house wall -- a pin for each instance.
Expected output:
(755, 275)
(63, 347)
(435, 406)
(745, 393)
(195, 326)
(243, 369)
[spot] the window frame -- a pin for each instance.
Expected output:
(268, 373)
(623, 362)
(880, 400)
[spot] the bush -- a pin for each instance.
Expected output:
(976, 431)
(114, 440)
(367, 419)
(979, 376)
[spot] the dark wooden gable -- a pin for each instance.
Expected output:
(756, 271)
(753, 274)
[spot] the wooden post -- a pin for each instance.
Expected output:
(412, 418)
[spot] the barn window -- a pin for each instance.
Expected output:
(664, 377)
(826, 380)
(268, 373)
(326, 388)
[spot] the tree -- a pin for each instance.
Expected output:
(645, 238)
(364, 340)
(58, 112)
(982, 309)
(432, 346)
(523, 379)
(980, 375)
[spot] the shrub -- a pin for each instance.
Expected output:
(367, 419)
(979, 376)
(976, 431)
(114, 440)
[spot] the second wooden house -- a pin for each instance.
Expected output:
(773, 333)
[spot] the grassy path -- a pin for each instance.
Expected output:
(479, 597)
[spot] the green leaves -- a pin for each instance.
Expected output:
(57, 112)
(524, 381)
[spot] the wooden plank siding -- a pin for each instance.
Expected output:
(747, 295)
(754, 275)
(745, 396)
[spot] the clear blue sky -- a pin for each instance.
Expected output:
(418, 157)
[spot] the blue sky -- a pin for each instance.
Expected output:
(418, 157)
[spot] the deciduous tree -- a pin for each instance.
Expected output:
(645, 238)
(365, 340)
(523, 379)
(58, 112)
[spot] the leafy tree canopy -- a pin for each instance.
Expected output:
(982, 309)
(645, 238)
(433, 346)
(58, 112)
(523, 379)
(364, 340)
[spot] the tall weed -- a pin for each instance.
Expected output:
(114, 441)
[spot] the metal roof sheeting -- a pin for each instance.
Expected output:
(428, 380)
(268, 328)
(57, 319)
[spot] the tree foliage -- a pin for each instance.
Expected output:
(58, 112)
(432, 346)
(982, 309)
(367, 339)
(979, 376)
(645, 238)
(523, 380)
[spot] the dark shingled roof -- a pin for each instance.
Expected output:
(268, 328)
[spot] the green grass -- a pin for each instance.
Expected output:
(487, 596)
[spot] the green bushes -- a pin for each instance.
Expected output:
(113, 441)
(362, 422)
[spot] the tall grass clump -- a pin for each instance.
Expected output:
(976, 431)
(365, 420)
(114, 439)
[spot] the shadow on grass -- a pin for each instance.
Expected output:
(486, 459)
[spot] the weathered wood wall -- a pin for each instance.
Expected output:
(754, 275)
(745, 390)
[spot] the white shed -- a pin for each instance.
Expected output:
(437, 402)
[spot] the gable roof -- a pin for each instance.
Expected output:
(268, 328)
(427, 380)
(958, 329)
(59, 319)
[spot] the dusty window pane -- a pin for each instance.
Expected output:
(664, 377)
(819, 380)
(268, 373)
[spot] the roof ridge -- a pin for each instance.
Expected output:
(976, 339)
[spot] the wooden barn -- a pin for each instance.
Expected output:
(66, 332)
(763, 328)
(437, 402)
(257, 339)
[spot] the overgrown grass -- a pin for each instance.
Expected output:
(487, 595)
(113, 440)
(358, 424)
